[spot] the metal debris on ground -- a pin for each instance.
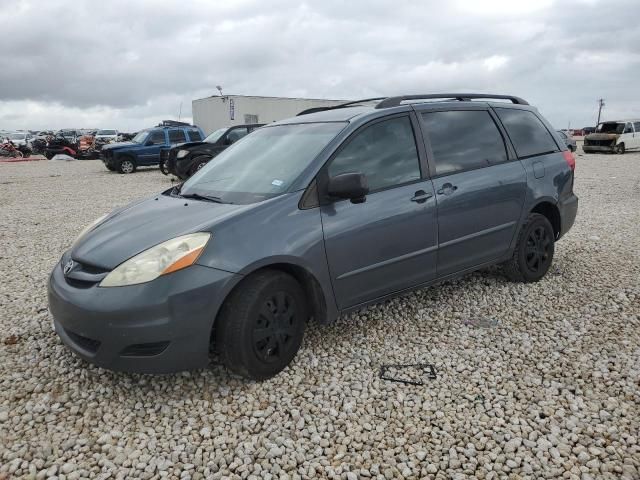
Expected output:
(411, 374)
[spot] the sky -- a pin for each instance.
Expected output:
(129, 64)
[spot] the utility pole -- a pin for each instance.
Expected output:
(180, 111)
(600, 105)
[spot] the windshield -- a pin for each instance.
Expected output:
(17, 136)
(106, 132)
(610, 127)
(263, 164)
(215, 136)
(140, 137)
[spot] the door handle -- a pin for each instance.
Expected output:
(447, 189)
(421, 196)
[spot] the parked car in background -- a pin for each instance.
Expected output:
(104, 137)
(144, 149)
(184, 159)
(310, 217)
(64, 142)
(568, 140)
(19, 139)
(614, 137)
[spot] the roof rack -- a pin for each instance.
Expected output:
(173, 123)
(462, 97)
(342, 105)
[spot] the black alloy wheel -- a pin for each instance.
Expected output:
(539, 249)
(275, 328)
(261, 324)
(534, 250)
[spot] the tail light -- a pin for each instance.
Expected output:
(570, 159)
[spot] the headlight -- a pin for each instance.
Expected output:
(89, 227)
(182, 153)
(167, 257)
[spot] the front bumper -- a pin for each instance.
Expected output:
(161, 326)
(598, 148)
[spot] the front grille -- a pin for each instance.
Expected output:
(83, 275)
(144, 349)
(86, 343)
(600, 143)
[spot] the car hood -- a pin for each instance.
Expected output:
(602, 136)
(141, 225)
(113, 146)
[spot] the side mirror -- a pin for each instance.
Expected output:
(351, 185)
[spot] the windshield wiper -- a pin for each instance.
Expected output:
(207, 198)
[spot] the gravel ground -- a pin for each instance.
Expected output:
(533, 381)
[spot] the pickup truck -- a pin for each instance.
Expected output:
(144, 149)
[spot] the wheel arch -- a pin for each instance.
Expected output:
(552, 212)
(126, 155)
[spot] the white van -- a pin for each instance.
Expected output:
(614, 136)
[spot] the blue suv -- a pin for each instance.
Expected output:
(311, 217)
(144, 149)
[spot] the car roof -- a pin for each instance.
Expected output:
(333, 115)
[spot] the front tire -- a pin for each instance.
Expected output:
(620, 149)
(260, 326)
(126, 165)
(534, 251)
(198, 163)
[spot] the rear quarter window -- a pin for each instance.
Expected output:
(194, 136)
(527, 132)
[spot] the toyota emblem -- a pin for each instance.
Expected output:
(68, 267)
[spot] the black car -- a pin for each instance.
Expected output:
(184, 159)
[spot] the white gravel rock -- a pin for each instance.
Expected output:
(547, 390)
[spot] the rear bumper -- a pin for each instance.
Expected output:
(158, 327)
(568, 212)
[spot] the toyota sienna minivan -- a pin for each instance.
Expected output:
(310, 217)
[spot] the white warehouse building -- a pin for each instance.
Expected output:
(212, 113)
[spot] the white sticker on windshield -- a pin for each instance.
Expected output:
(277, 183)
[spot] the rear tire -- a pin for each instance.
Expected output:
(260, 326)
(534, 251)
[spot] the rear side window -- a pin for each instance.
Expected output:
(384, 152)
(527, 132)
(177, 136)
(637, 126)
(157, 137)
(463, 140)
(194, 136)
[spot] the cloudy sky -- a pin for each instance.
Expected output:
(129, 64)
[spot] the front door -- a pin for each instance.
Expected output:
(389, 242)
(629, 137)
(150, 153)
(479, 192)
